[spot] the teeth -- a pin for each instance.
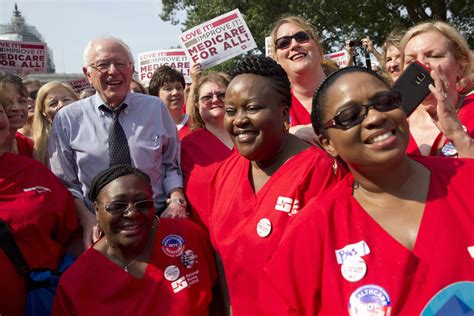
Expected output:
(297, 56)
(380, 138)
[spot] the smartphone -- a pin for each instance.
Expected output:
(412, 85)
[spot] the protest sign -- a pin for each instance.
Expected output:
(150, 61)
(217, 40)
(23, 57)
(79, 84)
(269, 47)
(340, 58)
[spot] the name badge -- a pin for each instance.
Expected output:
(358, 249)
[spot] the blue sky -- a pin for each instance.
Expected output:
(67, 25)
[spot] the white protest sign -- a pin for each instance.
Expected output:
(269, 47)
(217, 40)
(23, 57)
(150, 61)
(339, 57)
(79, 84)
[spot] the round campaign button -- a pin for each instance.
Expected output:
(449, 150)
(173, 245)
(370, 299)
(353, 268)
(189, 258)
(264, 227)
(172, 273)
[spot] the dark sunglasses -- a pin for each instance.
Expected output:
(118, 208)
(285, 41)
(354, 114)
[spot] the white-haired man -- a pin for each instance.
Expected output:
(79, 141)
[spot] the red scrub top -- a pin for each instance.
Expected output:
(42, 217)
(24, 144)
(298, 113)
(201, 153)
(246, 227)
(177, 281)
(304, 277)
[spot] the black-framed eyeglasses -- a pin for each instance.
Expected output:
(208, 98)
(104, 66)
(118, 208)
(354, 114)
(285, 41)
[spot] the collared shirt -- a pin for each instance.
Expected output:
(78, 144)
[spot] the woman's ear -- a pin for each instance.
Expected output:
(327, 145)
(96, 207)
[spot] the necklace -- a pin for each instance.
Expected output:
(127, 266)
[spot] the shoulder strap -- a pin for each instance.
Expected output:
(9, 246)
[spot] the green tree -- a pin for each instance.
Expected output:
(336, 20)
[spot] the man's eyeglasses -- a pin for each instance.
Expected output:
(105, 66)
(354, 114)
(208, 98)
(118, 208)
(285, 41)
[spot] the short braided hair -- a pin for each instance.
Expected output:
(110, 174)
(321, 95)
(266, 67)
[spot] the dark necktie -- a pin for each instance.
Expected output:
(119, 153)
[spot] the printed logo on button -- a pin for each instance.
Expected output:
(264, 227)
(179, 284)
(354, 269)
(172, 273)
(173, 245)
(370, 300)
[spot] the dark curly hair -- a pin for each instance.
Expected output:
(320, 97)
(110, 174)
(266, 67)
(162, 75)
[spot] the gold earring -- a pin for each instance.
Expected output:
(334, 166)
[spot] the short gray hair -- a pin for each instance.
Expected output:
(90, 45)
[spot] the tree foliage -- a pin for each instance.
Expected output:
(336, 20)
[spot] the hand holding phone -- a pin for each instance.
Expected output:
(413, 86)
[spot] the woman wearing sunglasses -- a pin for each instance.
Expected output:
(207, 145)
(257, 191)
(298, 50)
(142, 265)
(392, 234)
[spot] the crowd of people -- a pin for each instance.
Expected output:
(287, 187)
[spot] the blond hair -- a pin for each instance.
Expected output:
(219, 78)
(457, 43)
(41, 123)
(300, 22)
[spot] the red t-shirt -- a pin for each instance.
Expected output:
(465, 115)
(42, 217)
(298, 113)
(24, 144)
(304, 277)
(201, 153)
(177, 281)
(246, 227)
